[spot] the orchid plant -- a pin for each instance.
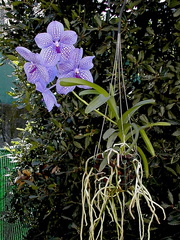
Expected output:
(61, 66)
(57, 59)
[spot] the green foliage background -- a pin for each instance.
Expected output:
(51, 205)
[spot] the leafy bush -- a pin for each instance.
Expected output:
(54, 146)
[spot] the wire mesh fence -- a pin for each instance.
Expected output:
(8, 231)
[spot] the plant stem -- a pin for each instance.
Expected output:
(100, 113)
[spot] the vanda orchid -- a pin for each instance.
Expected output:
(112, 179)
(58, 58)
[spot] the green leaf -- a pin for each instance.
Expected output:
(141, 56)
(101, 50)
(87, 92)
(149, 68)
(12, 57)
(166, 47)
(129, 113)
(143, 118)
(171, 170)
(87, 141)
(173, 3)
(16, 3)
(165, 124)
(78, 81)
(150, 30)
(176, 13)
(67, 24)
(147, 142)
(135, 138)
(96, 103)
(77, 144)
(176, 133)
(131, 58)
(170, 197)
(108, 133)
(29, 182)
(145, 162)
(98, 20)
(103, 164)
(111, 140)
(80, 136)
(169, 106)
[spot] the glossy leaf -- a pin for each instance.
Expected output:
(87, 92)
(96, 103)
(79, 81)
(147, 142)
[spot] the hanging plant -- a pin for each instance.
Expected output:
(113, 179)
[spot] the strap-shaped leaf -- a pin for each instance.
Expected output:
(96, 103)
(108, 133)
(78, 81)
(128, 114)
(145, 162)
(87, 92)
(155, 124)
(135, 137)
(111, 140)
(147, 142)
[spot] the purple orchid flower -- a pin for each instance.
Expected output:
(39, 75)
(75, 67)
(56, 44)
(34, 68)
(48, 96)
(49, 99)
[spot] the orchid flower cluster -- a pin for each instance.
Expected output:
(57, 59)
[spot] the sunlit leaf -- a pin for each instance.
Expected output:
(87, 92)
(96, 103)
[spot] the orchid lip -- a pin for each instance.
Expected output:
(33, 70)
(56, 43)
(58, 49)
(77, 73)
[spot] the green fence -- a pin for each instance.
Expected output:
(8, 231)
(6, 81)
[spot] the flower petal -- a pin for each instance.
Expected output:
(43, 40)
(86, 75)
(52, 71)
(65, 51)
(40, 86)
(75, 56)
(86, 63)
(25, 53)
(68, 37)
(49, 100)
(36, 72)
(43, 73)
(31, 72)
(55, 29)
(50, 56)
(65, 68)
